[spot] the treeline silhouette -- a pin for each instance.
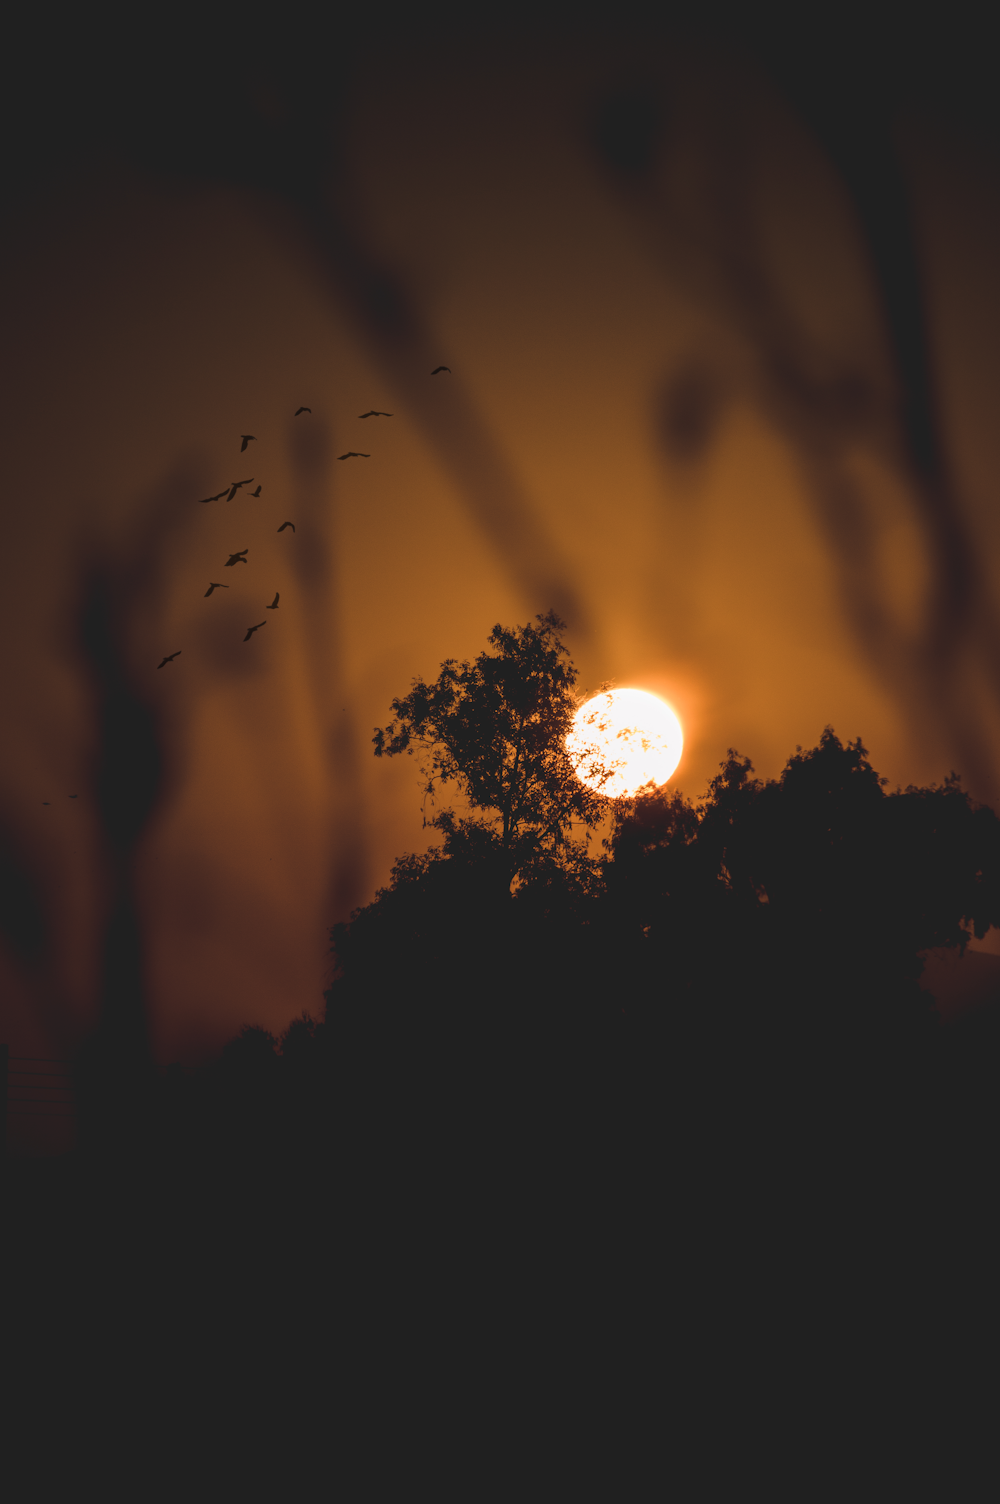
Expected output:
(565, 1091)
(714, 1016)
(750, 961)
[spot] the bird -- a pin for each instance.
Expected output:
(354, 454)
(47, 802)
(303, 410)
(252, 630)
(274, 604)
(206, 499)
(438, 369)
(74, 796)
(170, 657)
(247, 437)
(255, 493)
(286, 524)
(215, 585)
(239, 558)
(374, 413)
(236, 486)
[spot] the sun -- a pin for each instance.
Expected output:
(624, 739)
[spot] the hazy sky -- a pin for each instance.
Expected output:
(675, 412)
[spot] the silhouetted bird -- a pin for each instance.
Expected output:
(286, 524)
(73, 796)
(252, 630)
(247, 437)
(303, 410)
(46, 801)
(353, 454)
(236, 486)
(239, 558)
(206, 499)
(438, 369)
(374, 414)
(170, 658)
(215, 585)
(274, 604)
(255, 493)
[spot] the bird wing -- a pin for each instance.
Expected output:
(303, 410)
(274, 602)
(438, 369)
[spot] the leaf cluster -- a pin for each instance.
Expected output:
(495, 729)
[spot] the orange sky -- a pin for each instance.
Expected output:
(150, 322)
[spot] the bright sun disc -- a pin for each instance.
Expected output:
(623, 739)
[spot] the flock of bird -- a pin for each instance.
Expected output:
(241, 556)
(237, 485)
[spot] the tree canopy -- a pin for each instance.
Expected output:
(496, 729)
(815, 890)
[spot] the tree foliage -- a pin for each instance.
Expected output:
(817, 885)
(495, 729)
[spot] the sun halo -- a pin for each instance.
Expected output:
(624, 739)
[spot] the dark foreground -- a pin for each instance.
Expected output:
(493, 1259)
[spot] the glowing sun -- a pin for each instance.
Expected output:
(623, 739)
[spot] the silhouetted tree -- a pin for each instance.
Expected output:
(451, 985)
(496, 728)
(823, 863)
(775, 933)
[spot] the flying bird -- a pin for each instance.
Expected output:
(236, 486)
(215, 585)
(274, 604)
(206, 499)
(247, 437)
(47, 802)
(286, 524)
(438, 369)
(255, 493)
(239, 558)
(303, 410)
(74, 796)
(353, 454)
(252, 630)
(170, 657)
(374, 413)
